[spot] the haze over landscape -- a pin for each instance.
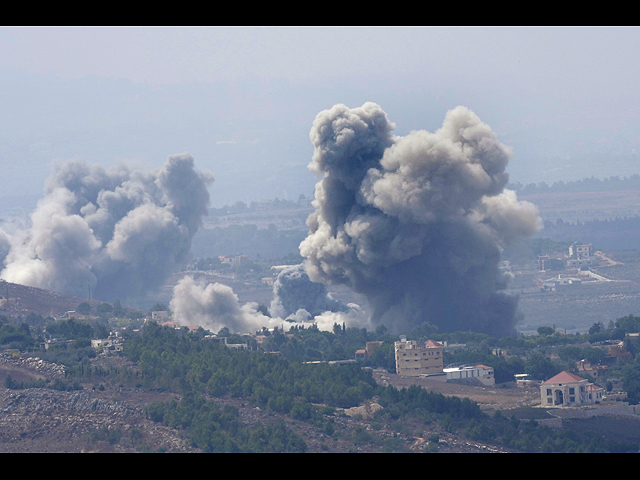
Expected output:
(232, 104)
(242, 100)
(327, 239)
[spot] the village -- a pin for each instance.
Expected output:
(584, 376)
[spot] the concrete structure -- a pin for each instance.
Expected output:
(567, 389)
(108, 345)
(175, 325)
(580, 255)
(367, 351)
(596, 371)
(234, 260)
(160, 315)
(619, 352)
(581, 252)
(414, 359)
(560, 282)
(523, 380)
(547, 263)
(471, 374)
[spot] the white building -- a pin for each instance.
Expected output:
(580, 255)
(234, 260)
(481, 373)
(567, 389)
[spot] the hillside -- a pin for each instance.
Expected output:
(18, 299)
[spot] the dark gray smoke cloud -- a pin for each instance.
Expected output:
(293, 290)
(416, 223)
(120, 232)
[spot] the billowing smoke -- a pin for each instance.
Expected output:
(293, 290)
(214, 306)
(416, 223)
(119, 232)
(5, 247)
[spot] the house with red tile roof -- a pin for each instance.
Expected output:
(568, 389)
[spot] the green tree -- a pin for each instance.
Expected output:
(84, 308)
(104, 308)
(545, 331)
(541, 367)
(158, 307)
(118, 310)
(595, 328)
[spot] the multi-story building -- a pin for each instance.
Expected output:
(567, 389)
(414, 358)
(581, 252)
(580, 255)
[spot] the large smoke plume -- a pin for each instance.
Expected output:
(416, 223)
(119, 232)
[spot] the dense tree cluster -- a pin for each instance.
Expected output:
(15, 336)
(219, 430)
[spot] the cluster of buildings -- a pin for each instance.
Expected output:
(417, 359)
(425, 360)
(579, 256)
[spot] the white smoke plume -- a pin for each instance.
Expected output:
(214, 306)
(119, 232)
(416, 223)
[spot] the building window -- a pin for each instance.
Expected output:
(572, 391)
(548, 391)
(572, 399)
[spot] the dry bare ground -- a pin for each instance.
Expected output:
(490, 399)
(114, 420)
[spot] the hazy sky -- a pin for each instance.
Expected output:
(242, 100)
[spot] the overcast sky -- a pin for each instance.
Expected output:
(242, 100)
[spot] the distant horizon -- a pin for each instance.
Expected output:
(242, 101)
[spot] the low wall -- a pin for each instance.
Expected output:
(618, 409)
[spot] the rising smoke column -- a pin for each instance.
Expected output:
(120, 232)
(214, 306)
(293, 290)
(416, 223)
